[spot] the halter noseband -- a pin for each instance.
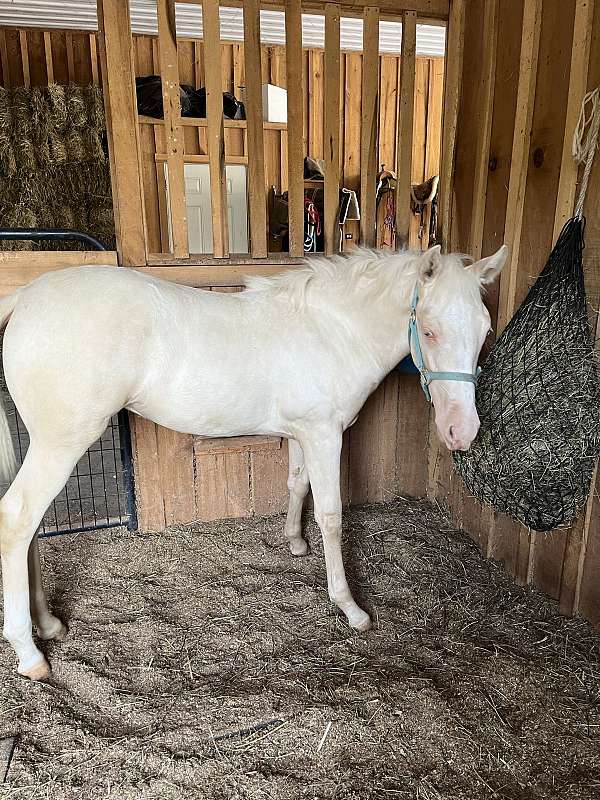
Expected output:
(415, 344)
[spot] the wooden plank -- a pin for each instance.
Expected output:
(176, 464)
(25, 58)
(21, 267)
(581, 561)
(405, 128)
(116, 53)
(452, 85)
(223, 485)
(483, 124)
(419, 142)
(580, 56)
(351, 114)
(6, 77)
(215, 130)
(70, 56)
(48, 56)
(268, 480)
(148, 488)
(230, 444)
(544, 567)
(94, 59)
(295, 111)
(369, 137)
(434, 116)
(530, 42)
(331, 128)
(254, 116)
(388, 93)
(169, 72)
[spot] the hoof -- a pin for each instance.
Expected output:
(57, 632)
(299, 547)
(362, 623)
(39, 672)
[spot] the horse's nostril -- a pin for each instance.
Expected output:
(451, 433)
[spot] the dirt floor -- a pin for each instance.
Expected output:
(207, 663)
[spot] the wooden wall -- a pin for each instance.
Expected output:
(33, 57)
(515, 181)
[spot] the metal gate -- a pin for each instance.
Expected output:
(100, 491)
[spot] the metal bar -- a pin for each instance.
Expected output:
(50, 234)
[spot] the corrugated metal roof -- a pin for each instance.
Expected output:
(81, 15)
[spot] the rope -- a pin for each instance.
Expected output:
(585, 142)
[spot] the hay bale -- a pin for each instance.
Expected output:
(55, 172)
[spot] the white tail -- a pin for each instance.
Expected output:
(8, 462)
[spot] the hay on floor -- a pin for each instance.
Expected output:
(205, 662)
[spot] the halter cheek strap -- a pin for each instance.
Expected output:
(415, 344)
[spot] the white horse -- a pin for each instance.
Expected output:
(295, 355)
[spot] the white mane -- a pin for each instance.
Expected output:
(367, 271)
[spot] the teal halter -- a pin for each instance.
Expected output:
(415, 344)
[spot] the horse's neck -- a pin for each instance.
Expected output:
(375, 330)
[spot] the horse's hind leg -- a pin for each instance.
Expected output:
(42, 476)
(298, 484)
(48, 626)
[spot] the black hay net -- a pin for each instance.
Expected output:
(538, 399)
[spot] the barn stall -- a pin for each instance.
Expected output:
(470, 686)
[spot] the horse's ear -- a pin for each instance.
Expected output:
(430, 264)
(488, 269)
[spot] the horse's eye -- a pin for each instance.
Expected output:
(428, 334)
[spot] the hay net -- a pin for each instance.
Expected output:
(538, 399)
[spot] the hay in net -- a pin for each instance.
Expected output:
(538, 399)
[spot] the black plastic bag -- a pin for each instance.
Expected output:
(193, 101)
(150, 103)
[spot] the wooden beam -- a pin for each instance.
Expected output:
(295, 123)
(580, 57)
(331, 128)
(25, 58)
(254, 117)
(530, 42)
(169, 73)
(93, 59)
(4, 60)
(483, 123)
(432, 11)
(369, 133)
(116, 53)
(20, 267)
(215, 130)
(48, 55)
(406, 106)
(452, 85)
(70, 57)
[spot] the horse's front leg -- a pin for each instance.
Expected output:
(322, 454)
(298, 484)
(41, 477)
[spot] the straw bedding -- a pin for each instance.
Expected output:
(205, 662)
(54, 170)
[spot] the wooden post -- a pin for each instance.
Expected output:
(215, 130)
(369, 127)
(452, 83)
(169, 74)
(254, 116)
(331, 128)
(580, 57)
(295, 100)
(405, 127)
(484, 124)
(530, 43)
(116, 53)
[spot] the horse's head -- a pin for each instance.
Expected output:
(451, 326)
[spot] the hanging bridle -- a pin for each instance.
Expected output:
(415, 344)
